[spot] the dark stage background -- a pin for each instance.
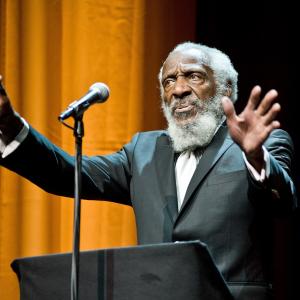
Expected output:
(260, 37)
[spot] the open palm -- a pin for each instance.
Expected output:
(254, 124)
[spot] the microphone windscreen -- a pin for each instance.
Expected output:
(102, 89)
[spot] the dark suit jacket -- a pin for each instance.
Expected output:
(223, 207)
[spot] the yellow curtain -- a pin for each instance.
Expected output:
(51, 51)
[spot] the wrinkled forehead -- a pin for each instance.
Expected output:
(184, 57)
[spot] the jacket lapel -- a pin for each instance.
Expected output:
(211, 155)
(165, 170)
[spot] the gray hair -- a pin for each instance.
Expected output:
(224, 73)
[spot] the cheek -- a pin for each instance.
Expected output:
(206, 90)
(166, 98)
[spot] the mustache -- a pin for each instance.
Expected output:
(186, 101)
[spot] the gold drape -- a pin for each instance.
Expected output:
(51, 51)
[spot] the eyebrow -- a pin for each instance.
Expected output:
(190, 68)
(194, 67)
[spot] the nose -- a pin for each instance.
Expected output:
(181, 87)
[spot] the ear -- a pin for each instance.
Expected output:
(228, 91)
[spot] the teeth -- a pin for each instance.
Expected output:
(184, 108)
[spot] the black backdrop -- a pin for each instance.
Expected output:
(260, 37)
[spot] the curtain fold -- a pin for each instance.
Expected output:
(51, 52)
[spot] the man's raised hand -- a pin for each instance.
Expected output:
(254, 124)
(10, 122)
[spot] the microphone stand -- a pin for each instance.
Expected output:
(78, 134)
(98, 92)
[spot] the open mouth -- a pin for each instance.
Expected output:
(184, 109)
(184, 113)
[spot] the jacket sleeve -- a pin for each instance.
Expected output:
(46, 165)
(278, 190)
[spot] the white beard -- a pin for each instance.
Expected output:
(199, 131)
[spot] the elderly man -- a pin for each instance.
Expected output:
(199, 179)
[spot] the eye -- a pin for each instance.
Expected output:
(168, 82)
(196, 77)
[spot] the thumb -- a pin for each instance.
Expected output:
(228, 108)
(2, 89)
(6, 108)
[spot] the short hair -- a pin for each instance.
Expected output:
(223, 70)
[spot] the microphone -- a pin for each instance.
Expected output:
(98, 93)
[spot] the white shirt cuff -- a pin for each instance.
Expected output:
(265, 172)
(13, 145)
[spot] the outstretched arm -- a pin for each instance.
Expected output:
(48, 166)
(10, 122)
(253, 125)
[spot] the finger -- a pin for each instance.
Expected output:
(271, 127)
(264, 134)
(228, 109)
(266, 102)
(272, 113)
(254, 98)
(275, 124)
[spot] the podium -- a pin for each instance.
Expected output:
(170, 271)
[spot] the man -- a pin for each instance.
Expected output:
(198, 180)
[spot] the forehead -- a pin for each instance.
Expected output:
(185, 58)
